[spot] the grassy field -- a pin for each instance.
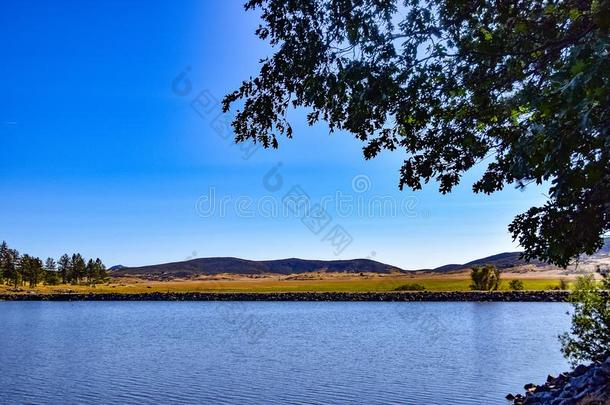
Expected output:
(345, 283)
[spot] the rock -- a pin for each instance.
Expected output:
(545, 397)
(586, 384)
(580, 370)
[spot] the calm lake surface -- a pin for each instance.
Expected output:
(276, 352)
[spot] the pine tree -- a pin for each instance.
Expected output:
(91, 272)
(3, 260)
(31, 269)
(51, 276)
(64, 268)
(100, 270)
(12, 271)
(79, 268)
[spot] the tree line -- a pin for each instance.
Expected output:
(20, 269)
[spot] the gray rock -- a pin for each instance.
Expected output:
(580, 370)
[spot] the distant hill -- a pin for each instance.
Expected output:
(233, 265)
(501, 261)
(512, 259)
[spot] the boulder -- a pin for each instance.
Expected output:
(584, 385)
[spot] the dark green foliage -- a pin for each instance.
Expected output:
(411, 287)
(485, 278)
(100, 270)
(3, 253)
(10, 265)
(516, 285)
(17, 270)
(525, 84)
(96, 271)
(78, 269)
(50, 265)
(589, 337)
(52, 277)
(32, 270)
(91, 276)
(65, 266)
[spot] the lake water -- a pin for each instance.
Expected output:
(276, 352)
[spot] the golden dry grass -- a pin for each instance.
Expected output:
(310, 282)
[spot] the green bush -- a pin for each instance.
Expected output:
(410, 287)
(589, 336)
(485, 278)
(52, 278)
(516, 285)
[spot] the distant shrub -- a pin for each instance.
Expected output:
(563, 284)
(516, 285)
(410, 287)
(485, 278)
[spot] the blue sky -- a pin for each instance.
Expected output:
(104, 153)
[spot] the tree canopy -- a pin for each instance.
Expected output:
(521, 86)
(17, 269)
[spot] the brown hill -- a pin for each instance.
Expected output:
(233, 265)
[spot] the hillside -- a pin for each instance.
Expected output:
(509, 260)
(501, 260)
(232, 265)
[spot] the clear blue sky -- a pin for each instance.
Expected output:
(102, 154)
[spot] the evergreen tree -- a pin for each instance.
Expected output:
(31, 269)
(3, 254)
(50, 265)
(100, 270)
(64, 268)
(51, 276)
(91, 272)
(79, 268)
(12, 270)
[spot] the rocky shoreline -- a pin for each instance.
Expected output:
(473, 296)
(584, 385)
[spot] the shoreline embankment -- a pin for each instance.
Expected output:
(413, 296)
